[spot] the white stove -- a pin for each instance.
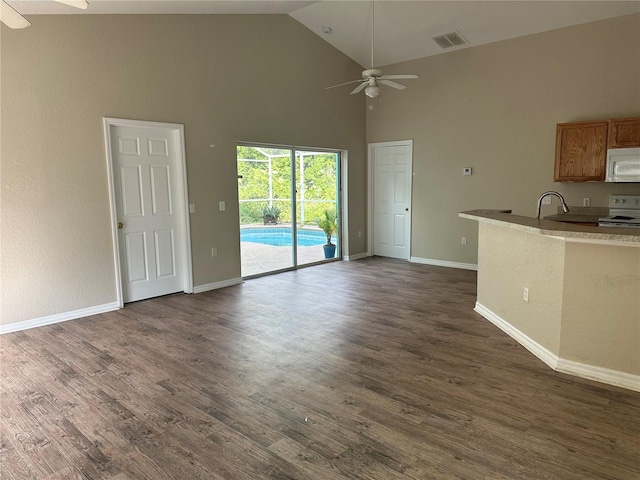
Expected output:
(624, 211)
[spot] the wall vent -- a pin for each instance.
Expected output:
(448, 40)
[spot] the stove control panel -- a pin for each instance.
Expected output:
(625, 201)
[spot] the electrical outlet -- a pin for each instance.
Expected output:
(464, 240)
(546, 201)
(359, 233)
(586, 202)
(222, 206)
(214, 252)
(525, 295)
(192, 208)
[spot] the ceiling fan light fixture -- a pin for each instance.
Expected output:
(372, 77)
(372, 91)
(11, 18)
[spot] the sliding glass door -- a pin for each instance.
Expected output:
(317, 190)
(289, 208)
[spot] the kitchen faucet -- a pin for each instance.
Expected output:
(565, 208)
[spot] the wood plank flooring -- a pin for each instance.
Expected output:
(375, 369)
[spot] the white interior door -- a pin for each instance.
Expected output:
(390, 184)
(150, 239)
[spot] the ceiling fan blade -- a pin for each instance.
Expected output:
(341, 84)
(392, 84)
(398, 77)
(11, 18)
(359, 88)
(83, 4)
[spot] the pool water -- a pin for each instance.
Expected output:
(282, 237)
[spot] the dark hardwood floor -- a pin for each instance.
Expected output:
(375, 369)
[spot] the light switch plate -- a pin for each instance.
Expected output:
(222, 206)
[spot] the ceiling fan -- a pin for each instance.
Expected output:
(12, 19)
(372, 78)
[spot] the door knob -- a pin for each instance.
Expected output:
(120, 225)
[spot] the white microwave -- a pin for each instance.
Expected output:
(623, 165)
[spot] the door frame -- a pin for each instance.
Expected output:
(370, 189)
(182, 201)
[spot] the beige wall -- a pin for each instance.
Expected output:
(226, 78)
(509, 261)
(494, 108)
(584, 299)
(601, 306)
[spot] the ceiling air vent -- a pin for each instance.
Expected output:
(448, 40)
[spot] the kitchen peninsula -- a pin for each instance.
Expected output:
(568, 293)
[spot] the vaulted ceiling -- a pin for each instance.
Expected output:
(404, 30)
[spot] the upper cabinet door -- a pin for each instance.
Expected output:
(624, 132)
(581, 151)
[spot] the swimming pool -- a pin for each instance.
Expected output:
(282, 236)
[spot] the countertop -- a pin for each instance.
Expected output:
(548, 227)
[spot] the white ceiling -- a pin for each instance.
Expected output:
(403, 29)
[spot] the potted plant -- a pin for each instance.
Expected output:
(270, 215)
(328, 224)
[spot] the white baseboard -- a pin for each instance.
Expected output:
(216, 285)
(87, 312)
(599, 374)
(357, 256)
(538, 350)
(57, 318)
(444, 263)
(559, 364)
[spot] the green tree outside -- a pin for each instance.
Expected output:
(315, 176)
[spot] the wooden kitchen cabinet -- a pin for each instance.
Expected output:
(624, 132)
(581, 151)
